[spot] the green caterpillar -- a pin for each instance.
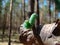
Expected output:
(33, 18)
(29, 23)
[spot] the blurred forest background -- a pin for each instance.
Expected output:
(46, 10)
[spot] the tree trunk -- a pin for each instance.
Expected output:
(23, 9)
(30, 11)
(41, 12)
(37, 11)
(11, 5)
(31, 7)
(49, 11)
(55, 11)
(0, 10)
(4, 23)
(38, 22)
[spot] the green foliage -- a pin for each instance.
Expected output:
(7, 4)
(0, 6)
(57, 2)
(18, 1)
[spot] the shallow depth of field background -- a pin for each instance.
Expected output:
(48, 13)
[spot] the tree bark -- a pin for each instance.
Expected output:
(49, 11)
(4, 23)
(38, 22)
(0, 10)
(23, 9)
(31, 7)
(30, 11)
(11, 5)
(55, 11)
(37, 11)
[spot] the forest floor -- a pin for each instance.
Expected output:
(15, 38)
(6, 43)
